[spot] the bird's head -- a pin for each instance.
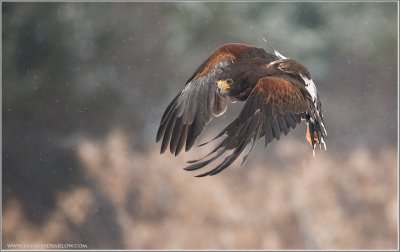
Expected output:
(291, 66)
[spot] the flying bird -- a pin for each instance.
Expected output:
(278, 93)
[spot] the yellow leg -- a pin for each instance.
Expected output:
(308, 137)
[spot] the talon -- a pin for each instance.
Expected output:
(223, 85)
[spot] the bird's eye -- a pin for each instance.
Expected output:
(282, 67)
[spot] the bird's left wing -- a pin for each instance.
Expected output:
(194, 107)
(274, 106)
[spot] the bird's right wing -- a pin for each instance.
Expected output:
(274, 106)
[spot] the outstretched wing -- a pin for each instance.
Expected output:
(194, 107)
(274, 106)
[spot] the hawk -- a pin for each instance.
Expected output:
(278, 93)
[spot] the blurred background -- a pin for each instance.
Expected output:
(84, 88)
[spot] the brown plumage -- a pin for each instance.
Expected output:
(278, 93)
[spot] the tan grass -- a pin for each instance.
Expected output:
(332, 201)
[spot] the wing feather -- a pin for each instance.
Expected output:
(282, 124)
(289, 120)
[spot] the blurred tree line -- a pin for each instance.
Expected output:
(79, 70)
